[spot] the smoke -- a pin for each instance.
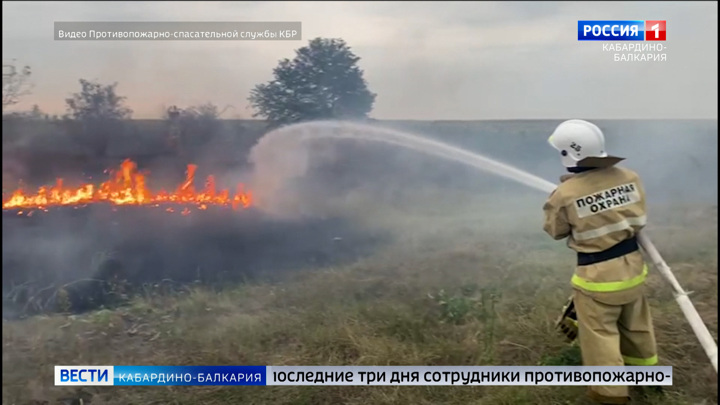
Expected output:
(278, 180)
(322, 169)
(142, 246)
(324, 197)
(362, 171)
(676, 159)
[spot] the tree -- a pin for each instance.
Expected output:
(323, 81)
(96, 101)
(16, 84)
(96, 113)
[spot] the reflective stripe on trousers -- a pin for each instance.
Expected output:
(611, 285)
(636, 361)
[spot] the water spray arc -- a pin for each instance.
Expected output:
(346, 130)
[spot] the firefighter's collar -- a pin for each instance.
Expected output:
(592, 163)
(600, 162)
(580, 169)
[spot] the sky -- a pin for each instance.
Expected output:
(425, 60)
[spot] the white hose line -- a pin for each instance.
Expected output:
(696, 323)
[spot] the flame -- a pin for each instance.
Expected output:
(128, 186)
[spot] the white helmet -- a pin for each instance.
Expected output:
(578, 140)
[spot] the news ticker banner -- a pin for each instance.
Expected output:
(177, 30)
(361, 375)
(629, 40)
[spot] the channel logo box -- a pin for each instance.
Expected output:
(622, 30)
(655, 30)
(84, 375)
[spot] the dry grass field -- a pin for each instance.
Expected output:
(478, 284)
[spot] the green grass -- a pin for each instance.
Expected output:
(458, 290)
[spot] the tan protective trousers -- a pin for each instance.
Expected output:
(615, 329)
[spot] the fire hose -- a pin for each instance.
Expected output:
(691, 314)
(568, 326)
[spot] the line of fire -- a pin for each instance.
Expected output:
(129, 186)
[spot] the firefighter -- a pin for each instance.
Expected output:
(600, 207)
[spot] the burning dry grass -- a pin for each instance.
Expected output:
(455, 296)
(127, 186)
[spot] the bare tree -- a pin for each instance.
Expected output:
(16, 84)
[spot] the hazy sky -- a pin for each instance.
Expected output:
(444, 60)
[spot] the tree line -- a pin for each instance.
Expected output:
(322, 81)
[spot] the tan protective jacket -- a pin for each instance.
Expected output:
(596, 210)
